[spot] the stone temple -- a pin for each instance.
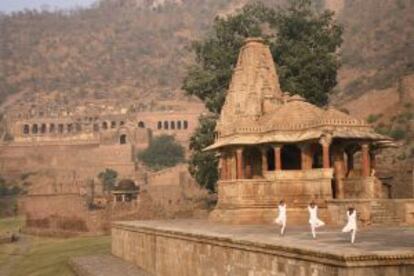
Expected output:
(275, 145)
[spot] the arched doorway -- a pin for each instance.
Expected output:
(291, 157)
(123, 139)
(141, 124)
(252, 162)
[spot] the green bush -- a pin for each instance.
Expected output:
(372, 118)
(398, 134)
(163, 152)
(108, 179)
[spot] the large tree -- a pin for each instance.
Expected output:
(303, 43)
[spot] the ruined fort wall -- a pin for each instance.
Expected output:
(87, 159)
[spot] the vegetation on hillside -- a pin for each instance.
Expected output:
(303, 42)
(378, 40)
(162, 152)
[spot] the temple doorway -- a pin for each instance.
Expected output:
(291, 157)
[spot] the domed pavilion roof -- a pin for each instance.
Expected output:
(126, 185)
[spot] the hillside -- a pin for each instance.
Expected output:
(139, 50)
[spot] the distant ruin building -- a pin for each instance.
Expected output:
(275, 145)
(88, 138)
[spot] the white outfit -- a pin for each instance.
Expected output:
(281, 218)
(351, 226)
(314, 221)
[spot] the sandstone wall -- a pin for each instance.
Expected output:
(253, 201)
(61, 213)
(87, 159)
(164, 253)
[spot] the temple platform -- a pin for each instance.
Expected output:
(198, 247)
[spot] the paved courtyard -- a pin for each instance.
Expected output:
(370, 240)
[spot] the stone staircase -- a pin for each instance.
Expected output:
(383, 213)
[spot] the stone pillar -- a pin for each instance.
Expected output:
(123, 197)
(306, 157)
(239, 163)
(365, 162)
(278, 158)
(325, 142)
(222, 167)
(264, 160)
(339, 171)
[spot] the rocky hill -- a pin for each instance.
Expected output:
(139, 49)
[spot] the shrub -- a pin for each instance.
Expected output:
(398, 134)
(163, 152)
(372, 118)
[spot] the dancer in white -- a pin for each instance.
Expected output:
(314, 221)
(281, 218)
(351, 226)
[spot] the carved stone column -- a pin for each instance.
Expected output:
(264, 160)
(221, 168)
(325, 142)
(239, 163)
(365, 162)
(306, 157)
(339, 171)
(278, 159)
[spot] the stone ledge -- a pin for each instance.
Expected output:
(223, 236)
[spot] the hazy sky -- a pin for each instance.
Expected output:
(16, 5)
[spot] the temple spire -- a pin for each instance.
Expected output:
(254, 80)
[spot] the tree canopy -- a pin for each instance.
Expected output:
(163, 152)
(108, 179)
(304, 45)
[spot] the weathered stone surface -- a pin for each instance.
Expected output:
(203, 248)
(104, 266)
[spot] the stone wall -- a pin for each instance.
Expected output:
(168, 252)
(373, 211)
(87, 159)
(63, 214)
(254, 201)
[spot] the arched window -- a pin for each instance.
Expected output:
(105, 125)
(95, 127)
(121, 123)
(26, 129)
(159, 126)
(166, 125)
(70, 127)
(78, 127)
(43, 128)
(61, 128)
(35, 129)
(52, 128)
(185, 124)
(179, 124)
(141, 124)
(113, 124)
(123, 139)
(172, 125)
